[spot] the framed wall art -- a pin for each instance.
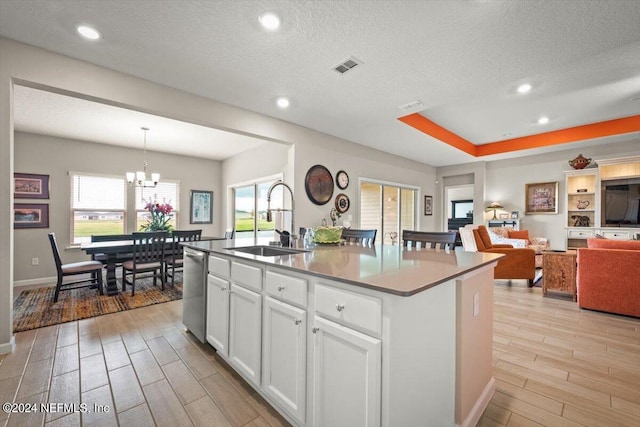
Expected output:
(201, 207)
(30, 215)
(428, 205)
(541, 198)
(30, 186)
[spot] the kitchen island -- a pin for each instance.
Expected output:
(355, 335)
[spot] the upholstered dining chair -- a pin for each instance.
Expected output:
(174, 259)
(148, 257)
(93, 268)
(365, 237)
(430, 239)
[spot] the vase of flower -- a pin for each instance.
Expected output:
(160, 217)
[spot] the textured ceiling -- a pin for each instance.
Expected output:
(462, 59)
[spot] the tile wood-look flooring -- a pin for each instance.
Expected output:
(554, 364)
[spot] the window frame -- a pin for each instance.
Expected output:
(73, 210)
(255, 183)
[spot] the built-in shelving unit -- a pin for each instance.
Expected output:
(586, 201)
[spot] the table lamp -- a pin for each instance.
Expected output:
(494, 206)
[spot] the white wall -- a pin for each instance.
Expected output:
(56, 157)
(29, 66)
(506, 179)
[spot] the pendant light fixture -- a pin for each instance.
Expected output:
(139, 179)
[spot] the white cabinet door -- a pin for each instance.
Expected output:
(284, 361)
(218, 314)
(346, 376)
(245, 332)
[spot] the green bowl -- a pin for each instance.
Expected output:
(327, 234)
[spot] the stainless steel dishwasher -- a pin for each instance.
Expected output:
(194, 293)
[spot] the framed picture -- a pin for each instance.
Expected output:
(201, 207)
(30, 215)
(541, 198)
(515, 214)
(30, 186)
(428, 205)
(504, 216)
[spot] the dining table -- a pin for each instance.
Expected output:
(119, 247)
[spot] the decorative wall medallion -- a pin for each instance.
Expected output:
(342, 203)
(319, 184)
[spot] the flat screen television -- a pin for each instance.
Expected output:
(621, 203)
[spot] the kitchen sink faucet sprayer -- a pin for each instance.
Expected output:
(269, 210)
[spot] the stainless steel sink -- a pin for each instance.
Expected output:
(267, 250)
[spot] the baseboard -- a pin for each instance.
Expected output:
(8, 347)
(481, 404)
(41, 282)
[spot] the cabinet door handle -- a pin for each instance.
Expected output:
(280, 288)
(315, 329)
(339, 307)
(297, 321)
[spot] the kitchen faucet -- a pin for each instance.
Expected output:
(269, 210)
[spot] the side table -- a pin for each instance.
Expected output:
(559, 272)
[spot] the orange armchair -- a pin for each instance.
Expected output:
(519, 263)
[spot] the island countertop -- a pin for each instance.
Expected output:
(386, 268)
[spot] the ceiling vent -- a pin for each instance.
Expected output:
(347, 65)
(412, 106)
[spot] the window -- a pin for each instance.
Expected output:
(250, 206)
(387, 208)
(98, 206)
(164, 192)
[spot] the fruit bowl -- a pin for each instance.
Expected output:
(324, 235)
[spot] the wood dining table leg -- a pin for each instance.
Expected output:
(112, 284)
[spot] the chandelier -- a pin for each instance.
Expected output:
(139, 179)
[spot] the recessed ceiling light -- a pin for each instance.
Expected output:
(524, 88)
(269, 20)
(282, 102)
(88, 32)
(543, 120)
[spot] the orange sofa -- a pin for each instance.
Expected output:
(519, 263)
(608, 276)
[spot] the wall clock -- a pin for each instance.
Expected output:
(319, 184)
(342, 180)
(342, 203)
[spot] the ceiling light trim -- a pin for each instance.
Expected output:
(563, 136)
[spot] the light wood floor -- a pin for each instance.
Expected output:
(554, 365)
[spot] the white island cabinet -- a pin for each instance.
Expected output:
(360, 342)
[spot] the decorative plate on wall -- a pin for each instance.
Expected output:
(342, 203)
(319, 184)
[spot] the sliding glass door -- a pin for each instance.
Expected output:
(250, 209)
(387, 208)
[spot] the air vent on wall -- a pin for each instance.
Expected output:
(347, 65)
(412, 106)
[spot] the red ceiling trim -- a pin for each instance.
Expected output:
(563, 136)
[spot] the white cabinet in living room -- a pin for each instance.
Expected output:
(346, 376)
(245, 332)
(218, 314)
(285, 356)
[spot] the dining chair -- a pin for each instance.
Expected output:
(93, 268)
(174, 259)
(430, 239)
(148, 257)
(365, 237)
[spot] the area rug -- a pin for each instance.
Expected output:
(34, 308)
